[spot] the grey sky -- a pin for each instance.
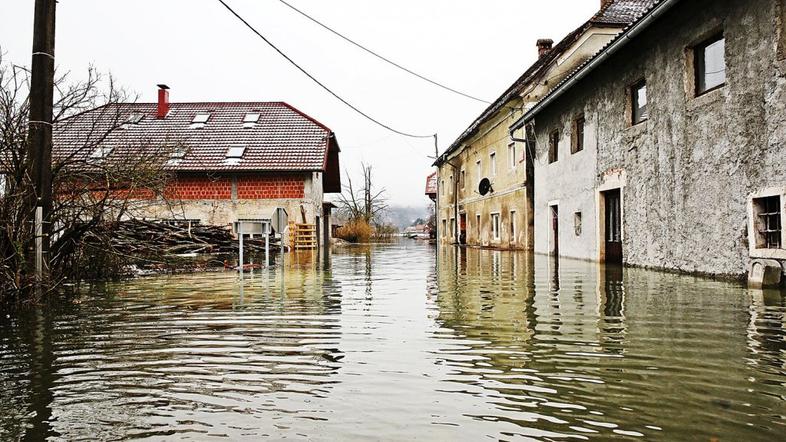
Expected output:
(204, 54)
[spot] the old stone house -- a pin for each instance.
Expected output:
(500, 213)
(228, 161)
(667, 149)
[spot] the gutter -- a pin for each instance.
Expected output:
(615, 46)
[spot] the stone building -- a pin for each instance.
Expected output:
(500, 214)
(666, 149)
(228, 161)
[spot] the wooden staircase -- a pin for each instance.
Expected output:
(302, 236)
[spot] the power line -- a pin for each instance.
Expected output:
(348, 104)
(383, 58)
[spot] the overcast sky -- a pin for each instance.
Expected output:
(204, 54)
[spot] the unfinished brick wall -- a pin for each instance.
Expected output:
(248, 187)
(270, 187)
(199, 188)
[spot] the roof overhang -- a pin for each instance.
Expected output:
(618, 43)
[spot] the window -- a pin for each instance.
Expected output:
(463, 178)
(512, 225)
(479, 168)
(450, 181)
(176, 156)
(768, 222)
(495, 225)
(250, 120)
(100, 153)
(135, 118)
(444, 227)
(477, 220)
(199, 121)
(453, 227)
(578, 134)
(577, 223)
(710, 63)
(236, 152)
(442, 188)
(493, 162)
(553, 146)
(512, 155)
(638, 100)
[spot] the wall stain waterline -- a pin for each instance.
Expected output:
(401, 342)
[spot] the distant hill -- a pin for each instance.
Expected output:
(403, 217)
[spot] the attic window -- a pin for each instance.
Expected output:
(176, 156)
(100, 153)
(250, 120)
(135, 118)
(235, 154)
(199, 121)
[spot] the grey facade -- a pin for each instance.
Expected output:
(690, 176)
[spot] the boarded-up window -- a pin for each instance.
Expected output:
(553, 146)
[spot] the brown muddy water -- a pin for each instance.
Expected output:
(400, 342)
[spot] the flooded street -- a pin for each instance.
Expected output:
(377, 345)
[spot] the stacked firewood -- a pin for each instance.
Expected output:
(153, 238)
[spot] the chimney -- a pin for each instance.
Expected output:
(163, 101)
(544, 46)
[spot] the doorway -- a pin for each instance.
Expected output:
(555, 229)
(612, 237)
(463, 228)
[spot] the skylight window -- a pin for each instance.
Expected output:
(199, 121)
(236, 152)
(135, 118)
(250, 120)
(101, 153)
(201, 118)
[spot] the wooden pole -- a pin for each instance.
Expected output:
(40, 129)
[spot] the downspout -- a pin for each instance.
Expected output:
(628, 35)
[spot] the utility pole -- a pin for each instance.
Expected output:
(40, 134)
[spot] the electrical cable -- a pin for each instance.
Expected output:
(322, 85)
(383, 58)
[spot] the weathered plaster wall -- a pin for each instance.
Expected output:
(508, 184)
(691, 168)
(569, 184)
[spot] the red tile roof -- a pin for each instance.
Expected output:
(431, 184)
(283, 139)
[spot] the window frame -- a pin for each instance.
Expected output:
(493, 161)
(636, 119)
(579, 132)
(512, 155)
(495, 226)
(755, 249)
(554, 146)
(699, 57)
(479, 169)
(512, 225)
(463, 179)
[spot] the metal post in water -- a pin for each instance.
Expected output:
(267, 245)
(240, 240)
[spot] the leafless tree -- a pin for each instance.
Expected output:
(366, 203)
(89, 190)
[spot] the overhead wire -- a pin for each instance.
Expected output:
(381, 57)
(315, 80)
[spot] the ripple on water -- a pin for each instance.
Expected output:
(399, 342)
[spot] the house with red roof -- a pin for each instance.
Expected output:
(229, 160)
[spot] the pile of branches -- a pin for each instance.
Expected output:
(139, 238)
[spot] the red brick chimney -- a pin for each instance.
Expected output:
(163, 101)
(544, 46)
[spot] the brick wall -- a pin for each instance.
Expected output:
(198, 188)
(270, 187)
(248, 187)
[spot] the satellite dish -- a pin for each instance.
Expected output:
(485, 187)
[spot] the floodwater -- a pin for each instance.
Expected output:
(400, 342)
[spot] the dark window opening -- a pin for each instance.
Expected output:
(710, 64)
(553, 146)
(639, 102)
(578, 144)
(768, 222)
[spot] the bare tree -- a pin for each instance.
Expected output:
(89, 189)
(367, 203)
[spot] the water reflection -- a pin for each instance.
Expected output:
(401, 342)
